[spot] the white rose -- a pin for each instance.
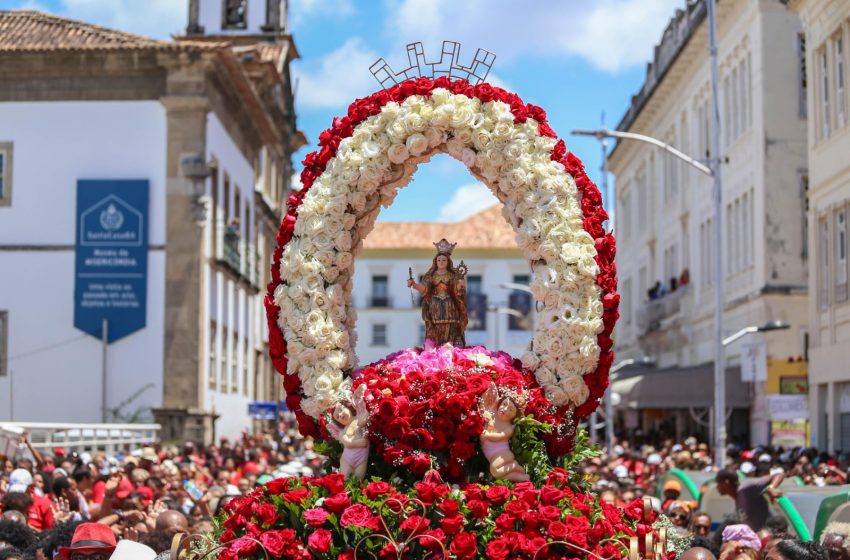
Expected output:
(320, 300)
(530, 360)
(468, 157)
(575, 389)
(308, 356)
(398, 153)
(417, 144)
(370, 149)
(331, 273)
(343, 241)
(545, 376)
(344, 260)
(464, 135)
(434, 136)
(556, 395)
(348, 220)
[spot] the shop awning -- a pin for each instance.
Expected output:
(678, 387)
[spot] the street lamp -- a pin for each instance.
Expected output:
(713, 171)
(769, 326)
(608, 400)
(504, 311)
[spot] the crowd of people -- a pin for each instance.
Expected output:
(130, 506)
(751, 479)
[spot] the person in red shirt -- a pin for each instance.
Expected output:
(40, 516)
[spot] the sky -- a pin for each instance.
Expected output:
(578, 59)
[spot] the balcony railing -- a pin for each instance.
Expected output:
(654, 313)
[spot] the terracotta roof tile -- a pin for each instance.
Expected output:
(485, 230)
(29, 31)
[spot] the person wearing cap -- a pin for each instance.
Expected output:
(91, 541)
(40, 516)
(671, 490)
(749, 495)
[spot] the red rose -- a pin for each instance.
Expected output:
(337, 503)
(550, 495)
(498, 549)
(464, 546)
(420, 464)
(498, 495)
(266, 514)
(432, 540)
(358, 515)
(375, 489)
(452, 525)
(316, 517)
(516, 508)
(552, 513)
(505, 522)
(346, 555)
(478, 508)
(278, 485)
(413, 525)
(275, 542)
(557, 530)
(320, 540)
(449, 507)
(245, 547)
(334, 483)
(297, 496)
(462, 450)
(227, 554)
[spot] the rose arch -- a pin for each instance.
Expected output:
(364, 158)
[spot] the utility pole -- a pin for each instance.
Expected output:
(714, 163)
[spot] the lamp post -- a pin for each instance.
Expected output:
(769, 326)
(713, 171)
(608, 402)
(503, 311)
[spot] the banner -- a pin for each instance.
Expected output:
(262, 410)
(787, 407)
(110, 280)
(754, 361)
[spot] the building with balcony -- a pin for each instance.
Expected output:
(664, 215)
(389, 313)
(827, 35)
(203, 126)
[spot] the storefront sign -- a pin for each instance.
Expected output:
(110, 288)
(788, 407)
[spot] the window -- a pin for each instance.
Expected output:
(803, 180)
(840, 245)
(4, 343)
(213, 356)
(823, 260)
(730, 241)
(627, 301)
(522, 302)
(706, 254)
(744, 93)
(379, 334)
(736, 103)
(739, 234)
(245, 367)
(227, 355)
(235, 14)
(476, 303)
(746, 225)
(380, 291)
(5, 173)
(642, 284)
(641, 195)
(234, 376)
(801, 74)
(824, 99)
(625, 221)
(839, 81)
(727, 111)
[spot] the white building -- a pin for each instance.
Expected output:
(664, 218)
(205, 120)
(827, 36)
(389, 316)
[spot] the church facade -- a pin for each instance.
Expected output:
(205, 124)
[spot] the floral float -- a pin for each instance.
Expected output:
(451, 452)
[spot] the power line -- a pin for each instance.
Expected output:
(47, 348)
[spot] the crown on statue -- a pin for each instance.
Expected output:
(448, 65)
(444, 247)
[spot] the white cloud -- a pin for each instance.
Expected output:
(467, 200)
(335, 79)
(610, 34)
(301, 11)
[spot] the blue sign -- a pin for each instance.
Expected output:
(110, 280)
(260, 410)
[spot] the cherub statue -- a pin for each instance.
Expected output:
(348, 426)
(499, 415)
